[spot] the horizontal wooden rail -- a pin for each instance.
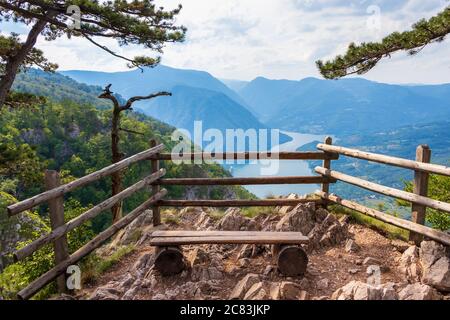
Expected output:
(235, 203)
(387, 191)
(91, 213)
(304, 155)
(245, 181)
(398, 222)
(61, 268)
(394, 161)
(57, 192)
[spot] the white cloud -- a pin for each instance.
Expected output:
(242, 39)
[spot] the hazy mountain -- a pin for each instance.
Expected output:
(235, 85)
(189, 104)
(344, 106)
(160, 78)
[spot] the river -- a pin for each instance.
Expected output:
(285, 168)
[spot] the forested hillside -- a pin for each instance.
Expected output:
(74, 139)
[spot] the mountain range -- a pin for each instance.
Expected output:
(345, 106)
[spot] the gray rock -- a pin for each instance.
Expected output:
(357, 290)
(233, 220)
(435, 261)
(322, 284)
(244, 285)
(105, 293)
(301, 218)
(409, 264)
(351, 246)
(369, 261)
(418, 291)
(256, 292)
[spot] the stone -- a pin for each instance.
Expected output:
(399, 245)
(418, 291)
(301, 219)
(105, 293)
(409, 264)
(357, 290)
(286, 209)
(197, 256)
(256, 292)
(322, 284)
(435, 262)
(246, 251)
(244, 285)
(369, 261)
(233, 220)
(142, 265)
(289, 290)
(353, 271)
(351, 246)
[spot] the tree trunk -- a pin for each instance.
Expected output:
(116, 157)
(14, 62)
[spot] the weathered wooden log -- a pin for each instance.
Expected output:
(61, 268)
(56, 212)
(268, 238)
(387, 191)
(306, 155)
(169, 261)
(292, 261)
(431, 233)
(418, 212)
(91, 213)
(236, 203)
(155, 188)
(394, 161)
(245, 181)
(327, 165)
(57, 192)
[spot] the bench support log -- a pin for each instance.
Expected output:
(291, 260)
(169, 261)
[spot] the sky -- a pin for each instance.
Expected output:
(277, 39)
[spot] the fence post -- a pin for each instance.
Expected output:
(423, 154)
(56, 210)
(327, 165)
(155, 187)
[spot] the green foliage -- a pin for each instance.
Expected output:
(17, 276)
(361, 58)
(94, 265)
(438, 189)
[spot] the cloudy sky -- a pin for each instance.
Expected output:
(243, 39)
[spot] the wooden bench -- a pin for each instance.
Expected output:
(291, 259)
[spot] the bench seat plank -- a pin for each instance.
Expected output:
(174, 238)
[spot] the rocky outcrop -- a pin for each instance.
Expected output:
(244, 285)
(357, 290)
(233, 220)
(435, 262)
(409, 264)
(418, 291)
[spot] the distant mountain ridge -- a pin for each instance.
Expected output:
(344, 106)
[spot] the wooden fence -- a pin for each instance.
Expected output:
(54, 196)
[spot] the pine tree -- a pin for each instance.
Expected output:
(360, 59)
(138, 22)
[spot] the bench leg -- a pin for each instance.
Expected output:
(169, 260)
(291, 260)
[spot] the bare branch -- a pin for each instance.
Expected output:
(138, 98)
